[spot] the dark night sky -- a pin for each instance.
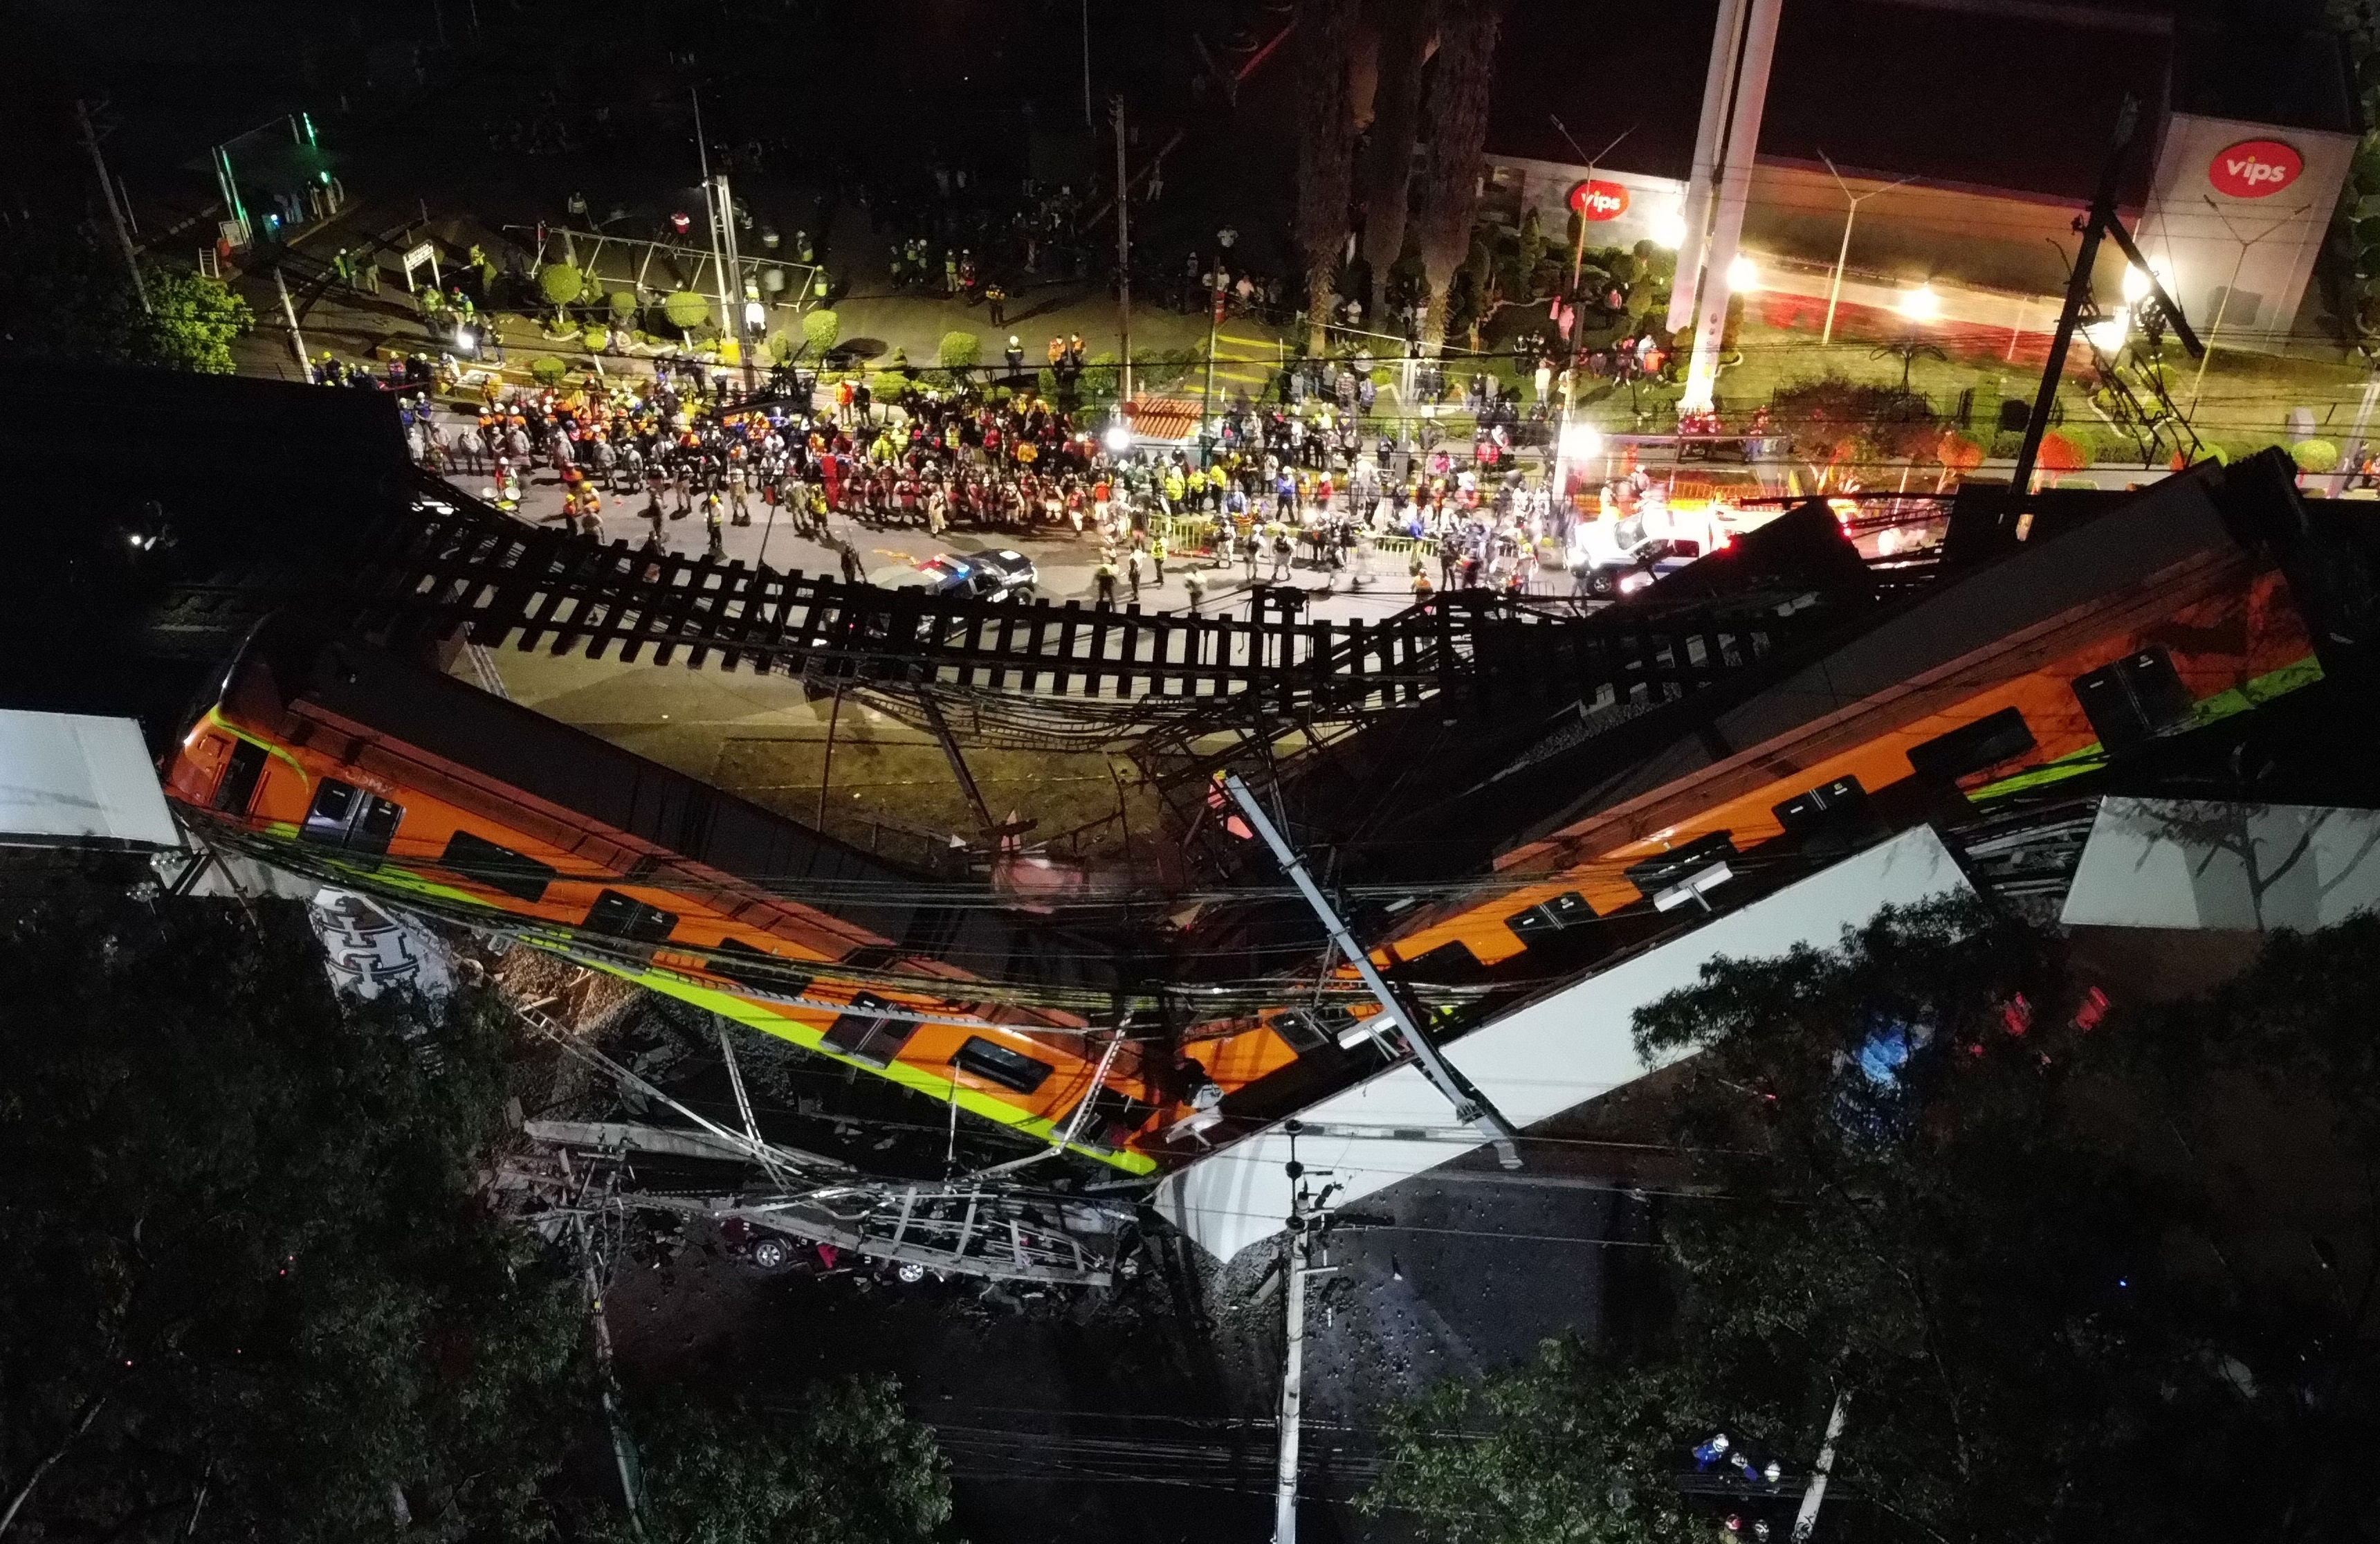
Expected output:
(1953, 90)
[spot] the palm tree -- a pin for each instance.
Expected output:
(1405, 31)
(1461, 82)
(1326, 150)
(1909, 350)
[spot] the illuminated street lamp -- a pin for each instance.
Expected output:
(2108, 336)
(1574, 442)
(1920, 304)
(1742, 276)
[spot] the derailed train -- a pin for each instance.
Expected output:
(336, 758)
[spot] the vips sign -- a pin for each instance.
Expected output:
(2251, 169)
(1599, 200)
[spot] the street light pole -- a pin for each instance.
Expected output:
(1843, 254)
(1123, 263)
(1594, 163)
(2215, 326)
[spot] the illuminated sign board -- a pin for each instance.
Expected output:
(2255, 168)
(1599, 200)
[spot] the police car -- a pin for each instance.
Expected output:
(999, 575)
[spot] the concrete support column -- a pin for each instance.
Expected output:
(1734, 192)
(1727, 41)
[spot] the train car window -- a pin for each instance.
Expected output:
(376, 827)
(241, 773)
(1114, 1117)
(997, 1064)
(766, 973)
(334, 805)
(516, 874)
(868, 1034)
(344, 816)
(626, 917)
(1972, 747)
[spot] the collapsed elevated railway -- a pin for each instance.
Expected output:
(1510, 806)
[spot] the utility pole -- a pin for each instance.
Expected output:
(1124, 263)
(1814, 1496)
(115, 210)
(1470, 1104)
(289, 313)
(715, 194)
(1217, 279)
(1087, 122)
(2101, 221)
(1306, 1222)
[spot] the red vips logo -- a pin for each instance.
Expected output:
(1599, 200)
(2254, 169)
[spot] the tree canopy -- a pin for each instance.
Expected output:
(844, 1466)
(251, 1288)
(66, 299)
(1935, 1175)
(248, 1291)
(1843, 427)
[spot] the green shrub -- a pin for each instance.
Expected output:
(822, 330)
(685, 309)
(560, 284)
(885, 385)
(596, 339)
(2314, 456)
(623, 303)
(959, 350)
(548, 370)
(1101, 378)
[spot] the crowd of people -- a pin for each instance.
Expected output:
(1314, 474)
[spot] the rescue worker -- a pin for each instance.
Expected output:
(710, 524)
